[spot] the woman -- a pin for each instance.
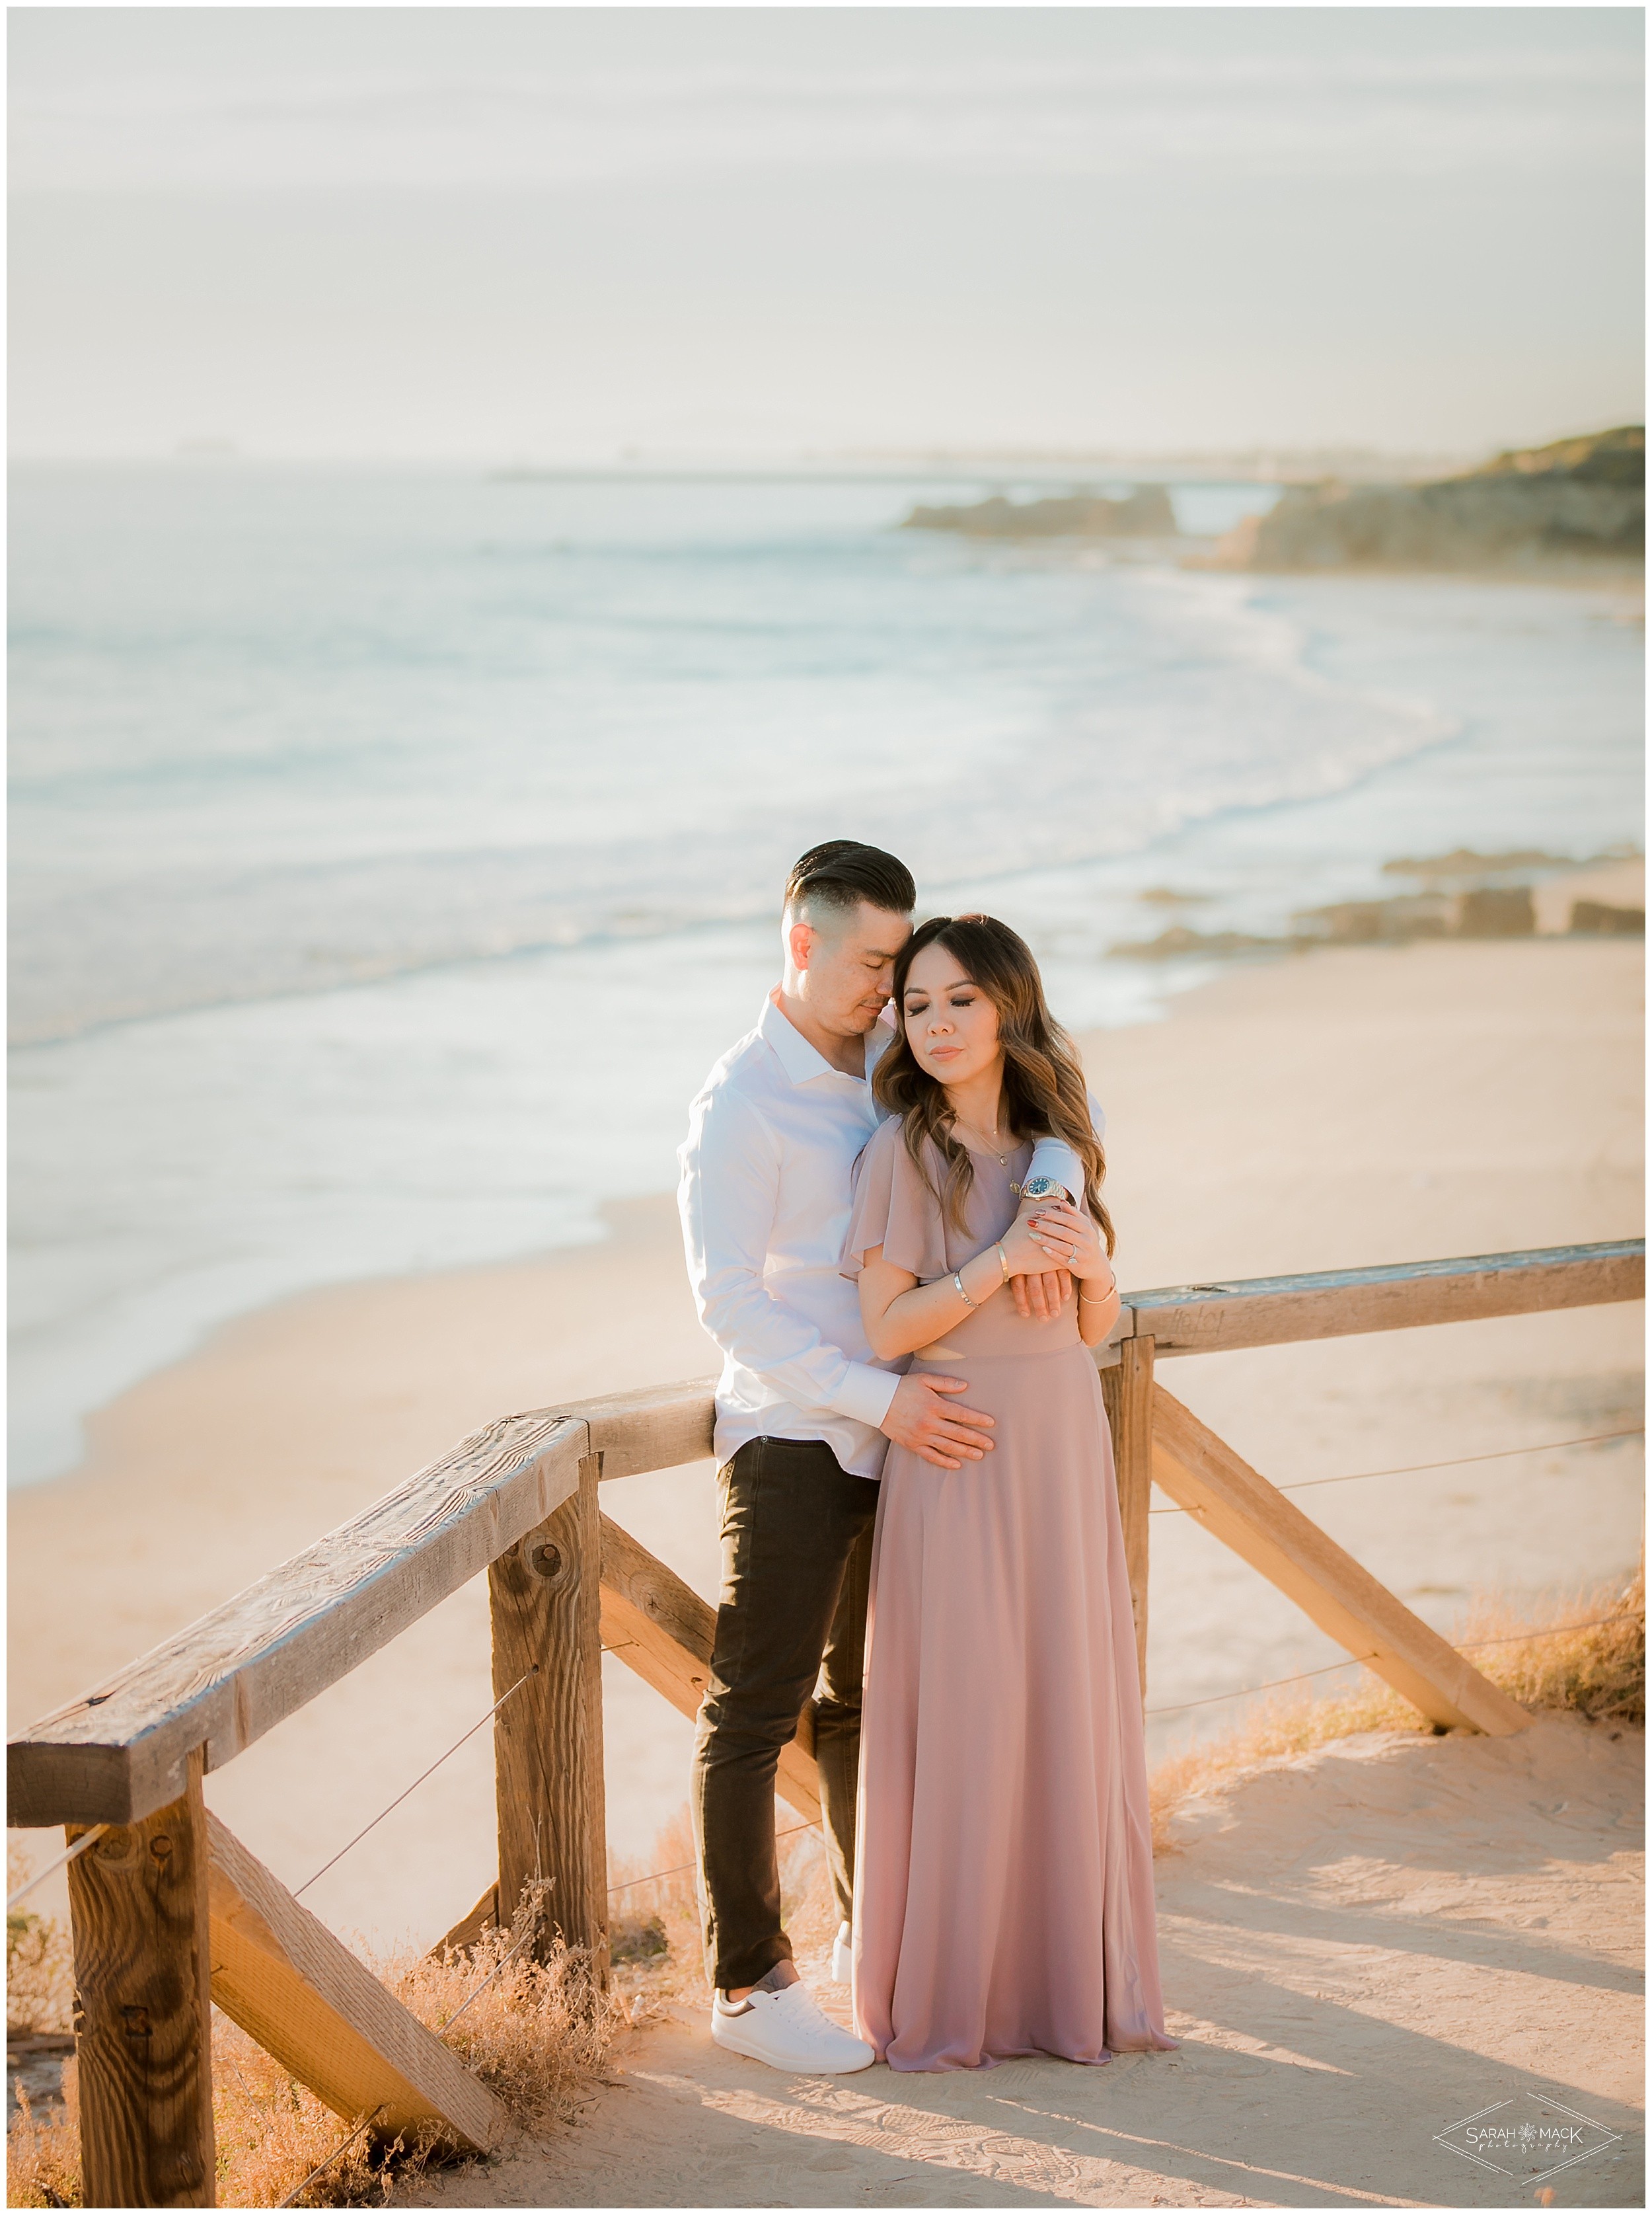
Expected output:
(1004, 1870)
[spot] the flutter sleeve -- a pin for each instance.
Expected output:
(894, 1207)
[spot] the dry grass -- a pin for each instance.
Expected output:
(39, 1974)
(270, 2133)
(43, 2150)
(1599, 1671)
(43, 2144)
(538, 2035)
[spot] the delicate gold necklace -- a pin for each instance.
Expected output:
(990, 1143)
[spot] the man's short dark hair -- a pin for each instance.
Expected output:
(842, 873)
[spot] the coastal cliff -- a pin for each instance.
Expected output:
(1578, 500)
(1144, 513)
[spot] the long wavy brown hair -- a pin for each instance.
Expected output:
(1044, 1093)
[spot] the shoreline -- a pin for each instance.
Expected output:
(1375, 1104)
(160, 1329)
(172, 1171)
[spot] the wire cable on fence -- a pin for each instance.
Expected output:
(88, 1838)
(655, 1876)
(344, 2146)
(1354, 1662)
(1457, 1461)
(1519, 1637)
(417, 1782)
(1359, 1661)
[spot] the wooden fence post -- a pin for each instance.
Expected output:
(1127, 1392)
(137, 1905)
(546, 1597)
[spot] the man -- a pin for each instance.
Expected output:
(803, 1413)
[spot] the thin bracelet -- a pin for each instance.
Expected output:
(958, 1278)
(1102, 1301)
(1003, 1259)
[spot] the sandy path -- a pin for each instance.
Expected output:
(1361, 1946)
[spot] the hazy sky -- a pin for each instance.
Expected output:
(514, 233)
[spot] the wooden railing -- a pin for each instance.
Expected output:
(170, 1912)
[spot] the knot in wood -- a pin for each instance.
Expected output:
(161, 1847)
(120, 1848)
(544, 1559)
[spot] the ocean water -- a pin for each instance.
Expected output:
(392, 853)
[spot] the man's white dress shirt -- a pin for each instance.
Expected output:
(764, 1197)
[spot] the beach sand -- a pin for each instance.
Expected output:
(1345, 1107)
(1360, 1947)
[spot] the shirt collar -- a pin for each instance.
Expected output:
(801, 1062)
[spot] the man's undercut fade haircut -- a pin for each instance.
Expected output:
(842, 873)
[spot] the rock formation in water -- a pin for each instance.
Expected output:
(1581, 499)
(1466, 895)
(1146, 512)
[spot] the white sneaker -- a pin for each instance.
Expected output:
(788, 2031)
(843, 1955)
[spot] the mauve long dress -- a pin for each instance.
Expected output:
(1003, 1900)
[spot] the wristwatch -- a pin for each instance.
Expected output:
(1043, 1187)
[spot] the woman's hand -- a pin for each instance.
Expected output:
(1029, 1255)
(1071, 1237)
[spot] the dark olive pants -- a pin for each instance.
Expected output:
(792, 1627)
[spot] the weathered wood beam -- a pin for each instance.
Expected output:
(118, 1753)
(1202, 1472)
(288, 1982)
(1339, 1303)
(661, 1426)
(662, 1629)
(1127, 1389)
(545, 1603)
(137, 1909)
(667, 1425)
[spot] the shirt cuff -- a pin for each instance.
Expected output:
(1054, 1159)
(866, 1394)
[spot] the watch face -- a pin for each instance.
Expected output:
(1039, 1187)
